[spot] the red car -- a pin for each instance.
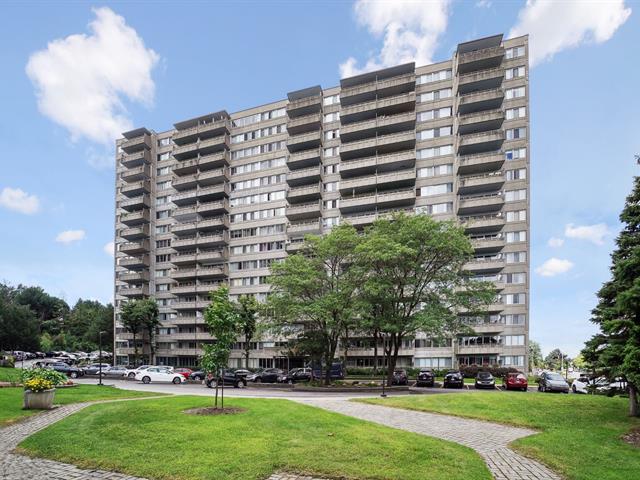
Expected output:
(515, 381)
(185, 372)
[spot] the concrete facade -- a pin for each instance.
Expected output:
(221, 196)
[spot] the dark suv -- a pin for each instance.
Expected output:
(425, 378)
(68, 370)
(296, 375)
(230, 377)
(453, 379)
(400, 377)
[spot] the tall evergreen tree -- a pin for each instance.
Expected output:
(616, 349)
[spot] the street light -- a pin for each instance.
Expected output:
(100, 357)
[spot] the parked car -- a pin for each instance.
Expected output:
(337, 371)
(229, 377)
(267, 375)
(131, 372)
(583, 384)
(400, 377)
(94, 368)
(185, 372)
(198, 375)
(296, 375)
(515, 381)
(425, 378)
(68, 370)
(117, 371)
(552, 382)
(453, 379)
(40, 355)
(485, 380)
(159, 374)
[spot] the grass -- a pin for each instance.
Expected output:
(580, 434)
(10, 375)
(11, 399)
(155, 439)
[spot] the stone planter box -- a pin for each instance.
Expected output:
(39, 400)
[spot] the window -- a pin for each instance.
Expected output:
(257, 247)
(247, 281)
(331, 100)
(435, 95)
(436, 189)
(434, 77)
(163, 185)
(257, 150)
(514, 319)
(512, 237)
(257, 166)
(163, 243)
(164, 142)
(518, 174)
(332, 134)
(516, 133)
(517, 216)
(435, 151)
(164, 156)
(163, 214)
(163, 171)
(516, 154)
(331, 117)
(257, 198)
(258, 231)
(162, 273)
(329, 204)
(434, 114)
(434, 133)
(435, 171)
(515, 113)
(512, 93)
(259, 133)
(330, 222)
(257, 215)
(516, 72)
(514, 278)
(259, 117)
(163, 287)
(433, 362)
(162, 229)
(514, 298)
(439, 208)
(329, 169)
(163, 258)
(258, 182)
(514, 52)
(512, 360)
(515, 195)
(331, 152)
(251, 264)
(331, 186)
(515, 257)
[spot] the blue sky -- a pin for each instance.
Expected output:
(155, 66)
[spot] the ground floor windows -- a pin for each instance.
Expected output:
(478, 360)
(433, 362)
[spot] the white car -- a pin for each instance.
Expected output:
(582, 384)
(131, 372)
(159, 374)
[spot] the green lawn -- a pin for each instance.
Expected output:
(11, 399)
(11, 375)
(155, 439)
(580, 434)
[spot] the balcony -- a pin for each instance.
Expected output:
(304, 228)
(184, 289)
(135, 233)
(208, 193)
(491, 265)
(378, 126)
(132, 248)
(305, 141)
(384, 106)
(294, 246)
(480, 80)
(137, 159)
(202, 272)
(480, 59)
(136, 144)
(380, 200)
(476, 224)
(203, 130)
(395, 180)
(304, 106)
(201, 241)
(487, 243)
(136, 277)
(378, 163)
(480, 121)
(204, 179)
(203, 208)
(134, 263)
(481, 183)
(135, 218)
(306, 123)
(206, 256)
(135, 189)
(202, 147)
(208, 162)
(304, 176)
(378, 145)
(191, 305)
(392, 86)
(135, 292)
(481, 100)
(304, 194)
(484, 162)
(136, 174)
(136, 203)
(305, 158)
(367, 218)
(214, 223)
(304, 210)
(476, 143)
(474, 204)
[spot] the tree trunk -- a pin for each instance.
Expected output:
(329, 361)
(375, 352)
(393, 357)
(152, 350)
(346, 346)
(246, 359)
(633, 401)
(222, 381)
(135, 350)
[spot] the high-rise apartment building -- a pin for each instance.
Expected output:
(222, 196)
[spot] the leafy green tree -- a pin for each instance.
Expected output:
(148, 309)
(50, 310)
(317, 289)
(132, 320)
(223, 322)
(616, 349)
(556, 360)
(415, 280)
(535, 355)
(248, 313)
(18, 327)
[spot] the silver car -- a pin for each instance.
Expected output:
(552, 382)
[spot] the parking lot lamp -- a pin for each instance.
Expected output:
(100, 357)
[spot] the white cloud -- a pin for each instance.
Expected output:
(555, 242)
(81, 80)
(554, 26)
(18, 200)
(483, 3)
(554, 266)
(70, 236)
(109, 249)
(411, 31)
(100, 160)
(593, 233)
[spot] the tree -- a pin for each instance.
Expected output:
(50, 310)
(317, 289)
(248, 312)
(414, 280)
(556, 360)
(535, 355)
(148, 310)
(18, 327)
(132, 321)
(616, 349)
(223, 322)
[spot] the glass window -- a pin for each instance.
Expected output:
(434, 77)
(516, 216)
(435, 151)
(436, 189)
(518, 174)
(437, 170)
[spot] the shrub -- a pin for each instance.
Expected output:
(53, 377)
(7, 361)
(38, 385)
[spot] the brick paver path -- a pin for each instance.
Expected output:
(490, 440)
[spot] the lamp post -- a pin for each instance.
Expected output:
(100, 357)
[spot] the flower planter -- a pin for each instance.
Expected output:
(39, 400)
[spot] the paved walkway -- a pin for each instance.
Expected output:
(490, 440)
